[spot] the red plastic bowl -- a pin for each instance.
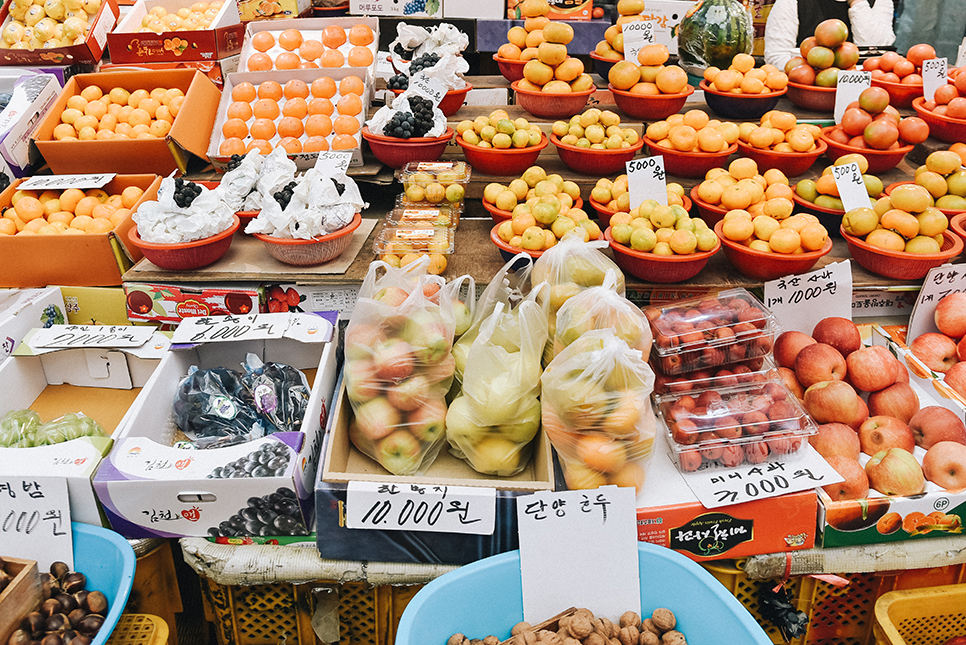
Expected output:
(811, 97)
(901, 95)
(941, 127)
(396, 153)
(318, 250)
(499, 215)
(501, 161)
(595, 162)
(946, 211)
(551, 106)
(650, 108)
(512, 70)
(689, 164)
(758, 265)
(659, 268)
(602, 65)
(899, 265)
(958, 224)
(879, 160)
(452, 101)
(790, 163)
(710, 213)
(188, 255)
(604, 214)
(739, 106)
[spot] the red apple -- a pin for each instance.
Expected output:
(377, 418)
(882, 433)
(935, 423)
(840, 333)
(831, 401)
(936, 351)
(895, 472)
(394, 360)
(392, 296)
(399, 453)
(819, 362)
(428, 421)
(856, 484)
(787, 346)
(407, 395)
(862, 415)
(956, 378)
(836, 439)
(361, 382)
(898, 400)
(950, 315)
(961, 346)
(945, 465)
(871, 368)
(791, 382)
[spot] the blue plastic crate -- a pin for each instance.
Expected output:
(107, 561)
(486, 597)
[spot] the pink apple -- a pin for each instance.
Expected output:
(950, 315)
(407, 395)
(394, 360)
(399, 453)
(361, 382)
(836, 439)
(936, 351)
(871, 368)
(831, 401)
(856, 484)
(360, 441)
(961, 349)
(945, 465)
(956, 378)
(791, 382)
(392, 296)
(935, 423)
(898, 400)
(880, 433)
(732, 456)
(428, 421)
(840, 333)
(690, 460)
(361, 339)
(784, 444)
(895, 472)
(377, 418)
(862, 415)
(787, 346)
(819, 362)
(441, 372)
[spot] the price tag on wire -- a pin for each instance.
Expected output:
(800, 301)
(848, 88)
(646, 179)
(852, 190)
(428, 88)
(933, 77)
(35, 520)
(636, 34)
(419, 507)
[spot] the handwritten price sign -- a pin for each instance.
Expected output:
(800, 301)
(933, 76)
(213, 329)
(414, 507)
(428, 88)
(333, 163)
(851, 185)
(847, 89)
(646, 179)
(939, 283)
(60, 182)
(35, 520)
(63, 336)
(636, 34)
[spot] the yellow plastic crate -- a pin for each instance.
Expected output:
(267, 614)
(139, 629)
(921, 616)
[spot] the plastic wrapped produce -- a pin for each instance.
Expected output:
(712, 32)
(213, 407)
(17, 426)
(68, 427)
(280, 392)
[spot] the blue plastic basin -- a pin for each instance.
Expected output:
(107, 561)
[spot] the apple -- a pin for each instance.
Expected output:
(871, 368)
(861, 416)
(377, 418)
(462, 427)
(956, 378)
(399, 453)
(731, 456)
(787, 346)
(945, 465)
(791, 382)
(441, 373)
(840, 333)
(836, 439)
(950, 315)
(895, 472)
(961, 349)
(359, 440)
(525, 426)
(392, 296)
(898, 400)
(394, 360)
(428, 421)
(819, 362)
(360, 339)
(880, 433)
(407, 395)
(831, 401)
(463, 316)
(856, 484)
(496, 455)
(361, 381)
(936, 351)
(935, 423)
(428, 336)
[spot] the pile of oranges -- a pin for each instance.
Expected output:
(290, 50)
(299, 117)
(781, 132)
(742, 77)
(651, 77)
(119, 114)
(189, 18)
(68, 212)
(741, 187)
(693, 131)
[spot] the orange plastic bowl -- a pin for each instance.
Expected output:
(901, 95)
(499, 215)
(899, 265)
(318, 250)
(595, 162)
(879, 160)
(512, 70)
(946, 211)
(739, 106)
(452, 101)
(650, 108)
(790, 163)
(710, 213)
(604, 214)
(941, 127)
(758, 265)
(811, 97)
(188, 255)
(501, 161)
(689, 164)
(602, 65)
(551, 106)
(659, 268)
(396, 153)
(958, 224)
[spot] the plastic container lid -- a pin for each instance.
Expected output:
(446, 215)
(401, 240)
(426, 172)
(755, 370)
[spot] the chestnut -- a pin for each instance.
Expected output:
(76, 616)
(19, 637)
(90, 624)
(52, 639)
(59, 569)
(81, 598)
(96, 603)
(74, 582)
(68, 636)
(46, 580)
(80, 639)
(50, 607)
(33, 624)
(57, 623)
(67, 603)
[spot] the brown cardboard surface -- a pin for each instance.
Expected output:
(104, 405)
(128, 45)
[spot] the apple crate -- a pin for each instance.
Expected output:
(921, 616)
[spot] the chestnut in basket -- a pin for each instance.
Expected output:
(70, 614)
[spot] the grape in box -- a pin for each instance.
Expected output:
(273, 514)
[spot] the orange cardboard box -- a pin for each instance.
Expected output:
(77, 260)
(216, 70)
(189, 134)
(89, 52)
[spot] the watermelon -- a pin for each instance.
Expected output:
(712, 32)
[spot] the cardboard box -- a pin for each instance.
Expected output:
(101, 383)
(150, 489)
(669, 514)
(432, 8)
(23, 310)
(130, 45)
(22, 595)
(33, 94)
(189, 134)
(172, 303)
(85, 260)
(492, 9)
(95, 305)
(90, 51)
(216, 70)
(261, 10)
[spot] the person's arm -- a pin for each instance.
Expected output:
(871, 26)
(781, 32)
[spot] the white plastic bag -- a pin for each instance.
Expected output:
(164, 222)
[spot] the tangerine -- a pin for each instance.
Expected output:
(244, 91)
(314, 144)
(290, 39)
(270, 90)
(323, 87)
(362, 57)
(263, 41)
(287, 60)
(333, 36)
(351, 85)
(259, 62)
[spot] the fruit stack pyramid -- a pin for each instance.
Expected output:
(871, 122)
(742, 187)
(893, 67)
(614, 195)
(781, 132)
(950, 100)
(597, 130)
(612, 46)
(662, 230)
(693, 131)
(945, 181)
(823, 55)
(742, 77)
(498, 131)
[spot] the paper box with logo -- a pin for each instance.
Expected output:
(90, 50)
(149, 488)
(172, 303)
(24, 309)
(216, 70)
(188, 136)
(273, 10)
(99, 382)
(95, 305)
(93, 259)
(33, 94)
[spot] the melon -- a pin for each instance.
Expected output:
(712, 33)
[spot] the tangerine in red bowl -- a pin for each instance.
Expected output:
(512, 70)
(499, 215)
(650, 108)
(507, 251)
(501, 161)
(588, 161)
(186, 255)
(790, 163)
(550, 105)
(759, 265)
(604, 214)
(659, 268)
(689, 164)
(945, 211)
(396, 152)
(739, 106)
(942, 127)
(710, 213)
(811, 97)
(879, 160)
(900, 265)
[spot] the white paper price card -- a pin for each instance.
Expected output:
(872, 303)
(428, 87)
(646, 179)
(746, 483)
(64, 336)
(35, 520)
(333, 163)
(848, 88)
(961, 54)
(851, 185)
(939, 282)
(420, 507)
(636, 34)
(933, 76)
(214, 329)
(800, 301)
(61, 182)
(585, 535)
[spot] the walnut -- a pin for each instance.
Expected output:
(673, 637)
(457, 639)
(630, 618)
(491, 640)
(663, 619)
(647, 625)
(595, 639)
(614, 641)
(583, 611)
(579, 626)
(570, 641)
(649, 638)
(549, 637)
(629, 635)
(606, 628)
(522, 626)
(524, 638)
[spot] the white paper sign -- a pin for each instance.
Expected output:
(877, 303)
(852, 190)
(800, 301)
(333, 163)
(35, 520)
(961, 54)
(667, 15)
(646, 180)
(636, 33)
(214, 329)
(848, 88)
(938, 283)
(62, 336)
(60, 182)
(420, 507)
(585, 535)
(428, 87)
(748, 482)
(933, 76)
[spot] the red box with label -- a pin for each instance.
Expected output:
(171, 303)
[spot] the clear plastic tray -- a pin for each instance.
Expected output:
(716, 329)
(725, 427)
(754, 370)
(400, 240)
(428, 172)
(446, 215)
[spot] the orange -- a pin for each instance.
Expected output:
(175, 105)
(683, 137)
(295, 88)
(290, 39)
(287, 60)
(361, 35)
(100, 226)
(69, 199)
(119, 95)
(351, 85)
(311, 50)
(291, 145)
(232, 146)
(263, 146)
(92, 92)
(29, 208)
(85, 121)
(77, 102)
(321, 106)
(362, 57)
(129, 196)
(115, 201)
(265, 109)
(307, 64)
(58, 216)
(7, 227)
(86, 206)
(290, 127)
(323, 87)
(239, 110)
(96, 109)
(137, 96)
(171, 95)
(346, 125)
(234, 129)
(103, 211)
(64, 130)
(139, 117)
(107, 122)
(331, 58)
(35, 225)
(312, 144)
(104, 135)
(138, 130)
(344, 142)
(124, 113)
(244, 91)
(333, 36)
(119, 216)
(150, 106)
(269, 90)
(81, 222)
(263, 41)
(123, 129)
(318, 125)
(296, 107)
(263, 129)
(349, 104)
(259, 62)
